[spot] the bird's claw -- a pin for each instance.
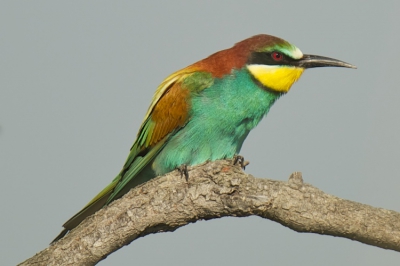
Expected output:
(184, 171)
(239, 160)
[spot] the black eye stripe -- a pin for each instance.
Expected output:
(265, 58)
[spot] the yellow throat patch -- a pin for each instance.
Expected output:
(277, 78)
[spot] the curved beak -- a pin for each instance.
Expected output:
(310, 61)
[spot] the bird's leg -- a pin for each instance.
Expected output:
(184, 171)
(239, 160)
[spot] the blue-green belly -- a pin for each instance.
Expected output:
(221, 117)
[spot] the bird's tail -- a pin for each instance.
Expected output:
(93, 206)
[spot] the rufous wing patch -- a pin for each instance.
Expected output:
(169, 113)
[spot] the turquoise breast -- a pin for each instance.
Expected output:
(221, 117)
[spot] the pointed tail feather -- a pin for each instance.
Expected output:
(93, 206)
(137, 171)
(60, 235)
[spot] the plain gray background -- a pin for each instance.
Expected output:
(76, 78)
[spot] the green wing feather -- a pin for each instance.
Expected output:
(143, 151)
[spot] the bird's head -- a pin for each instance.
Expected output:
(274, 63)
(277, 64)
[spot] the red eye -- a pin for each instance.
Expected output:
(277, 56)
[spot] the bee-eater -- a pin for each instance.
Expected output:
(205, 111)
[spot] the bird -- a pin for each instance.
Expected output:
(205, 111)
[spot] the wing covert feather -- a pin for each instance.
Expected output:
(168, 113)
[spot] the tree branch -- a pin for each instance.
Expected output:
(214, 190)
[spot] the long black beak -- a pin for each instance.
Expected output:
(310, 61)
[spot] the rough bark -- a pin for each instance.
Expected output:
(214, 190)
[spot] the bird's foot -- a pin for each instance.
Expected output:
(184, 171)
(239, 160)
